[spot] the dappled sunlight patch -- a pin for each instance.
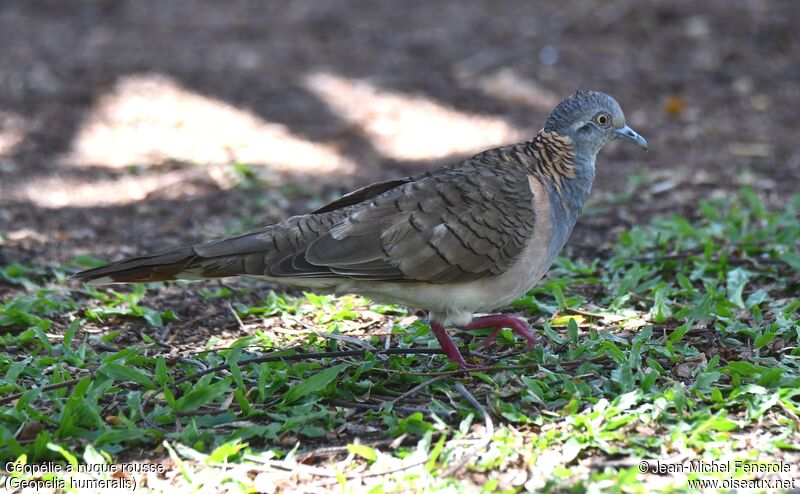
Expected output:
(508, 85)
(151, 118)
(283, 320)
(57, 192)
(409, 126)
(12, 132)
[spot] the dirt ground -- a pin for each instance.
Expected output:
(120, 120)
(132, 126)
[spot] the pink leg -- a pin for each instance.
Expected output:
(498, 322)
(449, 347)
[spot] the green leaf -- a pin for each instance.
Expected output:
(71, 458)
(363, 451)
(572, 331)
(414, 424)
(201, 395)
(614, 352)
(153, 317)
(736, 281)
(648, 381)
(161, 371)
(72, 408)
(661, 310)
(113, 436)
(765, 339)
(313, 384)
(15, 369)
(70, 332)
(225, 452)
(552, 335)
(125, 373)
(244, 404)
(430, 465)
(558, 293)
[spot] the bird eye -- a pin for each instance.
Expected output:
(602, 119)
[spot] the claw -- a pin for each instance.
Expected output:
(499, 321)
(496, 322)
(490, 339)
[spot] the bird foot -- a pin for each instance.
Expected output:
(449, 346)
(498, 322)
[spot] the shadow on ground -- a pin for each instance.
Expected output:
(337, 94)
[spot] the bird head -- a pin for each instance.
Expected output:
(591, 119)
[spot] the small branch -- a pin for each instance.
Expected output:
(49, 387)
(415, 389)
(498, 368)
(377, 408)
(308, 356)
(335, 450)
(791, 414)
(594, 315)
(733, 261)
(487, 436)
(471, 399)
(236, 316)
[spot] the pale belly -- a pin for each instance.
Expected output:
(453, 302)
(457, 302)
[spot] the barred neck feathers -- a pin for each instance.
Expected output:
(553, 156)
(552, 159)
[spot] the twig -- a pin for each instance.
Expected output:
(471, 399)
(415, 389)
(236, 316)
(563, 380)
(191, 361)
(245, 347)
(487, 436)
(142, 404)
(333, 450)
(49, 387)
(547, 365)
(305, 356)
(264, 358)
(320, 472)
(157, 341)
(791, 414)
(350, 339)
(368, 406)
(733, 261)
(593, 314)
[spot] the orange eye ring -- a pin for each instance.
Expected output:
(602, 119)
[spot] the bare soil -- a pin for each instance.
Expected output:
(121, 120)
(118, 118)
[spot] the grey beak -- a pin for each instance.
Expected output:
(629, 134)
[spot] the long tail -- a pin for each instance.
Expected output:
(247, 254)
(158, 267)
(251, 253)
(276, 251)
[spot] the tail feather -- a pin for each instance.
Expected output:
(158, 267)
(246, 254)
(276, 250)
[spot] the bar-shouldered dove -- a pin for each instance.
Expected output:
(456, 241)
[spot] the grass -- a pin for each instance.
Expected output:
(678, 343)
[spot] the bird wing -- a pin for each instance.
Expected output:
(457, 225)
(362, 194)
(454, 225)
